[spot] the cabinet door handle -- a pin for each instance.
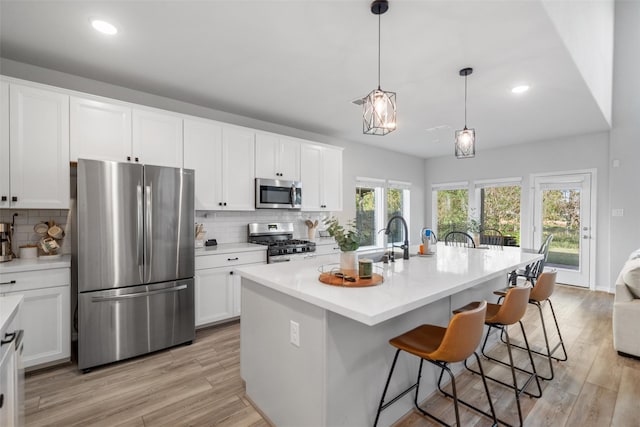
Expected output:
(14, 198)
(4, 198)
(231, 272)
(233, 259)
(9, 338)
(225, 204)
(1, 400)
(12, 282)
(137, 160)
(128, 158)
(219, 203)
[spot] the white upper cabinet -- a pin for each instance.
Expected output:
(100, 130)
(157, 138)
(332, 179)
(321, 176)
(238, 172)
(223, 158)
(4, 145)
(203, 153)
(277, 157)
(38, 161)
(104, 130)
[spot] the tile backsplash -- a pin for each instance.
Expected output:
(26, 219)
(225, 227)
(231, 227)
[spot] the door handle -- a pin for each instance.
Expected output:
(148, 228)
(140, 226)
(11, 282)
(139, 294)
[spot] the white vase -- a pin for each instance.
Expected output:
(349, 263)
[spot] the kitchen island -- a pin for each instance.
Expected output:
(318, 355)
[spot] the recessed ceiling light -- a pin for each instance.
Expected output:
(104, 27)
(520, 89)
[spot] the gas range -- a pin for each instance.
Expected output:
(282, 247)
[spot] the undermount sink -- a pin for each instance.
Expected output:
(378, 256)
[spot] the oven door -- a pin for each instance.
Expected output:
(278, 194)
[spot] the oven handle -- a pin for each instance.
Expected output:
(139, 294)
(273, 261)
(292, 195)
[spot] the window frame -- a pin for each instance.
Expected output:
(381, 187)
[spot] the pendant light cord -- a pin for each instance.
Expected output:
(379, 18)
(465, 101)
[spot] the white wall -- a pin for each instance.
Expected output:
(563, 154)
(358, 159)
(625, 136)
(586, 27)
(370, 162)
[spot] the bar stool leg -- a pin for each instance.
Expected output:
(513, 374)
(550, 351)
(555, 320)
(454, 396)
(386, 386)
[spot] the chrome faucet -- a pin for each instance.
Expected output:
(405, 247)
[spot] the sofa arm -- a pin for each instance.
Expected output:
(623, 294)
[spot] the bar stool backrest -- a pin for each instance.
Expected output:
(462, 336)
(514, 306)
(544, 287)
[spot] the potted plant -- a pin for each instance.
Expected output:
(473, 227)
(348, 239)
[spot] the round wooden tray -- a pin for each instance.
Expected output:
(331, 279)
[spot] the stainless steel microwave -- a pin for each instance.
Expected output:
(278, 194)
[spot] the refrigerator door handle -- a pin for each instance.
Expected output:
(149, 238)
(140, 226)
(138, 294)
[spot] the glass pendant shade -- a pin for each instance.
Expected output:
(465, 143)
(379, 112)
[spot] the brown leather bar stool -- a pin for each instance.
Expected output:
(500, 316)
(441, 346)
(540, 293)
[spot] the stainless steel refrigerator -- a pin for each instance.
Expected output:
(134, 254)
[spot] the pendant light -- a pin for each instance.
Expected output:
(465, 138)
(379, 107)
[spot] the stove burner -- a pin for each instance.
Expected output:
(279, 238)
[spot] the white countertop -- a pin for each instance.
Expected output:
(42, 263)
(407, 284)
(225, 248)
(8, 309)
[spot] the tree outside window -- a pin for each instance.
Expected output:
(453, 207)
(501, 211)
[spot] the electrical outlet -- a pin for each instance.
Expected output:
(294, 333)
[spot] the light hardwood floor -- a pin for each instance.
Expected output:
(200, 384)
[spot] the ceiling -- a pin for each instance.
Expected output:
(300, 63)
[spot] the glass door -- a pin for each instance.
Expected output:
(563, 208)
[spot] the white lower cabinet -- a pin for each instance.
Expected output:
(44, 313)
(213, 295)
(217, 286)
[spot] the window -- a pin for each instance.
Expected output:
(376, 202)
(499, 203)
(452, 208)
